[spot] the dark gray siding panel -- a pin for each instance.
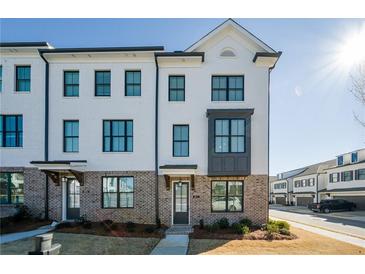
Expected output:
(229, 164)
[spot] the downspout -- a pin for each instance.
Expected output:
(46, 131)
(268, 140)
(156, 145)
(317, 189)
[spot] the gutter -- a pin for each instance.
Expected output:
(156, 144)
(46, 131)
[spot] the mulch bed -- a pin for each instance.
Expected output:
(229, 234)
(21, 225)
(114, 230)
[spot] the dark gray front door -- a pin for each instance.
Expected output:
(181, 203)
(73, 199)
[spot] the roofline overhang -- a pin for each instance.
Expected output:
(181, 54)
(24, 44)
(102, 49)
(259, 55)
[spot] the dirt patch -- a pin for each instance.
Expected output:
(115, 230)
(307, 243)
(21, 225)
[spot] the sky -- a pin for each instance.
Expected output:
(311, 108)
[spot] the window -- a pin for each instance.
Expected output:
(118, 192)
(297, 183)
(11, 130)
(22, 78)
(117, 136)
(227, 196)
(132, 83)
(229, 135)
(180, 140)
(360, 174)
(71, 83)
(334, 177)
(102, 83)
(176, 88)
(1, 78)
(227, 88)
(280, 186)
(311, 182)
(354, 157)
(340, 160)
(347, 176)
(71, 136)
(11, 188)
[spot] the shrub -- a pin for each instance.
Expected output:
(21, 214)
(245, 230)
(223, 223)
(149, 229)
(114, 226)
(284, 231)
(237, 228)
(201, 224)
(131, 227)
(272, 228)
(63, 225)
(212, 228)
(246, 222)
(283, 225)
(87, 225)
(107, 222)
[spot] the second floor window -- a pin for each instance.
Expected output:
(132, 83)
(181, 141)
(360, 174)
(22, 78)
(11, 130)
(117, 136)
(71, 136)
(347, 176)
(227, 88)
(334, 177)
(102, 83)
(176, 88)
(71, 84)
(229, 135)
(1, 78)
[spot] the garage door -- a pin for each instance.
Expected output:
(304, 201)
(280, 200)
(358, 200)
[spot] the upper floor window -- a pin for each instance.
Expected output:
(360, 174)
(340, 160)
(117, 136)
(311, 182)
(347, 176)
(181, 141)
(118, 192)
(71, 136)
(11, 188)
(297, 183)
(229, 135)
(354, 158)
(334, 177)
(1, 78)
(227, 196)
(176, 88)
(22, 78)
(132, 83)
(227, 88)
(11, 130)
(280, 186)
(71, 84)
(102, 83)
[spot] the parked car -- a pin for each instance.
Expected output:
(329, 205)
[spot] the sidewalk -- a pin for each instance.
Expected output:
(172, 245)
(23, 235)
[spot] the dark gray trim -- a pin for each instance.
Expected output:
(230, 112)
(157, 205)
(58, 162)
(266, 54)
(304, 192)
(343, 190)
(23, 44)
(101, 49)
(179, 167)
(181, 54)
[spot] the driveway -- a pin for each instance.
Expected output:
(347, 223)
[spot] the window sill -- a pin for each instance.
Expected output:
(70, 97)
(117, 152)
(11, 147)
(21, 92)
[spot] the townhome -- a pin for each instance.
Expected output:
(137, 133)
(346, 178)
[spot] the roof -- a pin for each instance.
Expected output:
(348, 164)
(316, 168)
(179, 167)
(343, 190)
(23, 44)
(102, 49)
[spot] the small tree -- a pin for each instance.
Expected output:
(358, 89)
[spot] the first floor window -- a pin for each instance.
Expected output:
(71, 136)
(11, 130)
(22, 78)
(181, 141)
(227, 196)
(229, 135)
(118, 192)
(347, 176)
(11, 188)
(117, 136)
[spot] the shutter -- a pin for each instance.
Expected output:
(356, 174)
(352, 174)
(331, 178)
(342, 176)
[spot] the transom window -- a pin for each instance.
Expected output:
(118, 192)
(181, 140)
(102, 83)
(227, 88)
(11, 188)
(229, 135)
(176, 88)
(22, 78)
(117, 136)
(11, 130)
(227, 196)
(71, 136)
(1, 78)
(71, 84)
(133, 83)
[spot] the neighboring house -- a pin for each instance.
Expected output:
(136, 133)
(346, 178)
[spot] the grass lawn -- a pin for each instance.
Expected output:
(307, 244)
(80, 244)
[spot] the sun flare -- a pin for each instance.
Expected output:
(352, 49)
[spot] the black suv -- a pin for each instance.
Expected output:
(329, 205)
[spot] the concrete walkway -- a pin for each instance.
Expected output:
(172, 245)
(7, 238)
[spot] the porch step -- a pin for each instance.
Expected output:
(179, 230)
